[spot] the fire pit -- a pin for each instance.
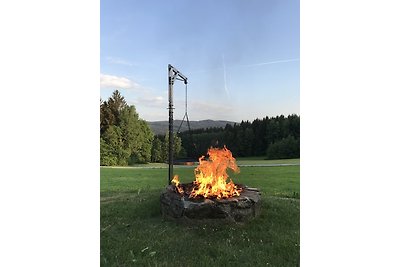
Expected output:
(210, 197)
(234, 209)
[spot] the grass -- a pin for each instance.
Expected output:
(260, 160)
(134, 234)
(240, 161)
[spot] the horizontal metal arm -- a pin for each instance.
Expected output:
(176, 73)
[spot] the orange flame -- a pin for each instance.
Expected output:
(211, 175)
(175, 181)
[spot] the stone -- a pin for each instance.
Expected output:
(235, 209)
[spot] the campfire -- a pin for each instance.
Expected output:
(212, 195)
(209, 196)
(211, 177)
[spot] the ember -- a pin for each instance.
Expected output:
(211, 176)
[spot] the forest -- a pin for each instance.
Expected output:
(125, 139)
(275, 138)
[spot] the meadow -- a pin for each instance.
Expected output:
(133, 232)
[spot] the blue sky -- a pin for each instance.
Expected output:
(241, 57)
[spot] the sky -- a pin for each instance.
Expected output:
(241, 58)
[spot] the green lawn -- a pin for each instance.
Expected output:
(134, 234)
(261, 161)
(240, 161)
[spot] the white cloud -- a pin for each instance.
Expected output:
(119, 61)
(111, 81)
(151, 107)
(152, 101)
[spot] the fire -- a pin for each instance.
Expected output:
(175, 181)
(211, 175)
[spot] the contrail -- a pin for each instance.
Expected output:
(240, 66)
(225, 86)
(272, 62)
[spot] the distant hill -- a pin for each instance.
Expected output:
(161, 127)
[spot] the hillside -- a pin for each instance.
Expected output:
(161, 127)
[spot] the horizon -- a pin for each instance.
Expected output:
(226, 120)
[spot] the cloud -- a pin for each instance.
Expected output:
(115, 82)
(152, 101)
(151, 107)
(119, 61)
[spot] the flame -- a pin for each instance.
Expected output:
(211, 176)
(175, 181)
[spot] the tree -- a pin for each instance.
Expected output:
(106, 117)
(137, 135)
(124, 138)
(143, 153)
(259, 145)
(116, 104)
(294, 125)
(107, 158)
(129, 123)
(177, 146)
(113, 146)
(248, 142)
(285, 148)
(156, 150)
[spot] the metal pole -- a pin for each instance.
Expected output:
(172, 75)
(171, 126)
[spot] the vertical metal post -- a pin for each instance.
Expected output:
(171, 126)
(172, 75)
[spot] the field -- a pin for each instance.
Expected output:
(134, 234)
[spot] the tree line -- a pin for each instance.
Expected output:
(126, 139)
(273, 137)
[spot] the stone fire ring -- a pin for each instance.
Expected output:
(235, 209)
